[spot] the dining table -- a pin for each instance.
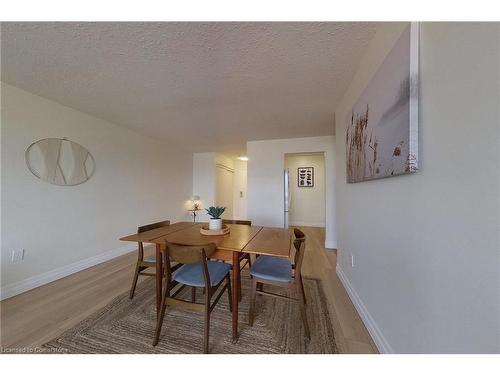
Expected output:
(251, 239)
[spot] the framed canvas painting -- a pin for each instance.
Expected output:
(305, 177)
(382, 130)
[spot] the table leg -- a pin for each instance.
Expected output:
(159, 278)
(236, 291)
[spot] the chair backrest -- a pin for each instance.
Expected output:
(298, 233)
(300, 247)
(189, 254)
(241, 222)
(145, 228)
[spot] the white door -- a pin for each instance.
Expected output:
(224, 190)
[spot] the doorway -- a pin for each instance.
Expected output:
(305, 199)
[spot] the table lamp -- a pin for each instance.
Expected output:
(195, 199)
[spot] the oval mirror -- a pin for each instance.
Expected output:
(60, 161)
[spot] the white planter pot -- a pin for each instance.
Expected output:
(215, 224)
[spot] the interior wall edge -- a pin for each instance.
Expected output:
(15, 288)
(376, 334)
(330, 244)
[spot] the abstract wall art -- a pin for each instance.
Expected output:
(382, 129)
(305, 177)
(60, 161)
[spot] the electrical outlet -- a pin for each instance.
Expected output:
(241, 194)
(352, 260)
(17, 255)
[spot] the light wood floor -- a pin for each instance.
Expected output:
(33, 318)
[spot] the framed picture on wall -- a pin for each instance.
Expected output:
(305, 176)
(382, 129)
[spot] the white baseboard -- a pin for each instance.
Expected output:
(22, 286)
(376, 334)
(330, 244)
(307, 224)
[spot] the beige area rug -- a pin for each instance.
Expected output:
(127, 326)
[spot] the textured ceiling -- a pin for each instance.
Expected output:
(203, 86)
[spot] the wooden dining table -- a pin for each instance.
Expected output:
(241, 238)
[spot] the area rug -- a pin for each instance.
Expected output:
(127, 326)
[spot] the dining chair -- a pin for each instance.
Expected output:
(299, 235)
(278, 272)
(142, 265)
(244, 257)
(197, 272)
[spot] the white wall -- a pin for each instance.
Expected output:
(137, 180)
(224, 190)
(204, 181)
(426, 246)
(307, 206)
(240, 186)
(265, 179)
(224, 193)
(205, 184)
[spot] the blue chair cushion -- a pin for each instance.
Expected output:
(272, 268)
(192, 274)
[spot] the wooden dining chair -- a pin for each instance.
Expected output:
(244, 257)
(143, 266)
(197, 272)
(278, 272)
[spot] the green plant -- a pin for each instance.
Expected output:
(215, 212)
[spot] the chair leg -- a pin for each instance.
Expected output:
(207, 323)
(302, 306)
(251, 310)
(303, 291)
(230, 299)
(193, 294)
(134, 281)
(239, 284)
(240, 295)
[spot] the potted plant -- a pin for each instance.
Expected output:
(215, 222)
